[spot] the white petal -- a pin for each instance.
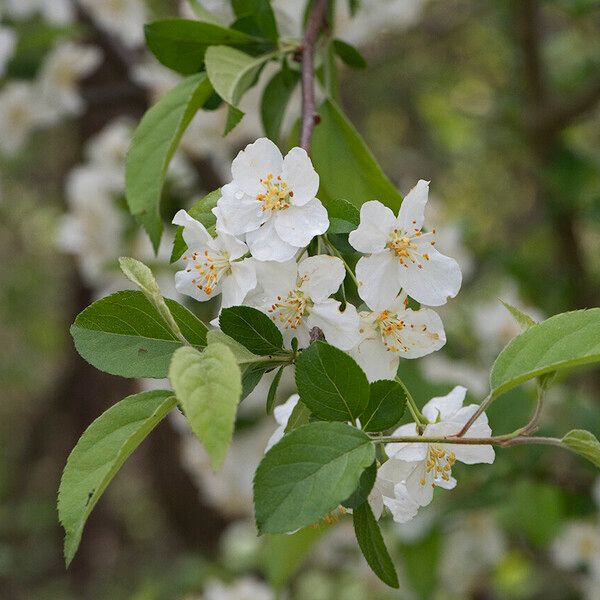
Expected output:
(254, 163)
(340, 328)
(239, 213)
(277, 435)
(471, 454)
(298, 225)
(373, 231)
(378, 280)
(235, 248)
(184, 285)
(436, 280)
(445, 406)
(300, 175)
(412, 211)
(402, 506)
(375, 359)
(395, 471)
(236, 286)
(194, 233)
(420, 485)
(301, 333)
(266, 245)
(423, 332)
(321, 276)
(283, 412)
(276, 278)
(376, 501)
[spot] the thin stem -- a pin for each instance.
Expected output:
(482, 407)
(501, 440)
(532, 426)
(417, 415)
(313, 26)
(341, 257)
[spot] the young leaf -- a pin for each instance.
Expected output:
(234, 116)
(137, 272)
(275, 99)
(344, 217)
(201, 211)
(261, 13)
(330, 383)
(273, 390)
(123, 334)
(560, 342)
(583, 443)
(372, 545)
(307, 474)
(154, 143)
(524, 320)
(362, 491)
(209, 386)
(180, 44)
(100, 453)
(387, 400)
(300, 416)
(346, 166)
(232, 72)
(252, 328)
(349, 54)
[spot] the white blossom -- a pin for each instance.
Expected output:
(392, 332)
(247, 588)
(578, 545)
(19, 115)
(8, 42)
(400, 255)
(424, 466)
(213, 265)
(282, 414)
(58, 12)
(272, 200)
(60, 73)
(296, 297)
(122, 18)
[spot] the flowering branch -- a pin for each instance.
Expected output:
(500, 440)
(309, 115)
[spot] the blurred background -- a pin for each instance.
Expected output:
(497, 102)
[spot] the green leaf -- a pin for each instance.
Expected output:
(232, 72)
(252, 328)
(307, 474)
(387, 400)
(261, 13)
(180, 44)
(140, 274)
(344, 217)
(234, 116)
(273, 390)
(209, 386)
(300, 416)
(275, 99)
(100, 453)
(563, 341)
(362, 491)
(346, 166)
(284, 554)
(524, 320)
(584, 443)
(349, 54)
(372, 545)
(331, 384)
(202, 212)
(123, 334)
(154, 143)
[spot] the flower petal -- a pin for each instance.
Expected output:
(254, 163)
(238, 213)
(321, 276)
(412, 210)
(378, 279)
(373, 231)
(298, 225)
(340, 328)
(184, 285)
(194, 233)
(276, 278)
(471, 454)
(375, 359)
(445, 406)
(266, 245)
(300, 175)
(236, 286)
(234, 247)
(402, 505)
(423, 333)
(431, 281)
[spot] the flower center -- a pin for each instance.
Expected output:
(405, 248)
(277, 195)
(439, 463)
(390, 328)
(209, 268)
(290, 310)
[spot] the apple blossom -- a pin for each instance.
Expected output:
(400, 255)
(423, 466)
(282, 414)
(296, 297)
(214, 265)
(272, 200)
(392, 332)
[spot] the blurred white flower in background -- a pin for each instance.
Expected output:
(8, 42)
(247, 588)
(63, 67)
(122, 18)
(578, 545)
(19, 115)
(57, 12)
